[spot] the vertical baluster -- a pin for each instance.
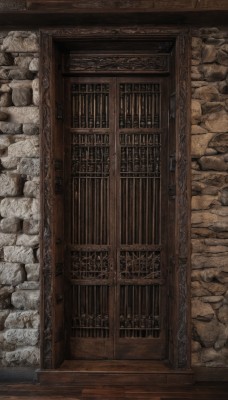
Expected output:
(107, 110)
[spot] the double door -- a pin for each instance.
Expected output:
(116, 167)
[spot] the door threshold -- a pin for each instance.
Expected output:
(115, 373)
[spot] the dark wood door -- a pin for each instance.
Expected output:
(116, 167)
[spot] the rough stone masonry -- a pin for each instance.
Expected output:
(19, 198)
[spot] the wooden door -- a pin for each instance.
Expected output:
(116, 168)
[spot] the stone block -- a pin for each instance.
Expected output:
(202, 202)
(29, 166)
(198, 130)
(197, 290)
(22, 96)
(35, 88)
(29, 147)
(20, 74)
(31, 189)
(23, 61)
(207, 332)
(22, 337)
(3, 116)
(26, 299)
(22, 320)
(27, 240)
(9, 162)
(31, 129)
(33, 272)
(224, 196)
(215, 163)
(31, 226)
(10, 225)
(28, 285)
(5, 297)
(214, 72)
(217, 122)
(223, 314)
(220, 143)
(10, 185)
(199, 144)
(7, 239)
(9, 128)
(196, 111)
(6, 59)
(11, 273)
(34, 65)
(202, 311)
(18, 254)
(23, 208)
(26, 356)
(214, 288)
(200, 261)
(222, 57)
(209, 53)
(21, 115)
(20, 84)
(5, 100)
(26, 42)
(3, 316)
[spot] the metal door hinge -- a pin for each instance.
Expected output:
(59, 111)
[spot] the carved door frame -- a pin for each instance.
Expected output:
(53, 42)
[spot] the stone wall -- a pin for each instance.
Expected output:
(19, 199)
(210, 197)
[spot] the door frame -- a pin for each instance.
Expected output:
(54, 43)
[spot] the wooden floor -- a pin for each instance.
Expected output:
(199, 391)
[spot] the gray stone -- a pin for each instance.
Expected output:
(33, 272)
(202, 311)
(20, 84)
(9, 162)
(18, 254)
(22, 96)
(3, 116)
(10, 225)
(196, 347)
(35, 88)
(209, 53)
(22, 115)
(26, 299)
(198, 130)
(29, 147)
(22, 337)
(5, 141)
(34, 65)
(28, 285)
(212, 357)
(197, 289)
(20, 74)
(216, 163)
(214, 72)
(10, 129)
(22, 319)
(210, 152)
(5, 292)
(6, 59)
(23, 61)
(224, 196)
(223, 87)
(31, 189)
(11, 274)
(27, 240)
(207, 332)
(31, 129)
(23, 208)
(5, 88)
(223, 314)
(21, 42)
(10, 185)
(29, 166)
(38, 254)
(212, 107)
(7, 239)
(220, 142)
(26, 356)
(5, 100)
(31, 226)
(220, 226)
(217, 122)
(3, 316)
